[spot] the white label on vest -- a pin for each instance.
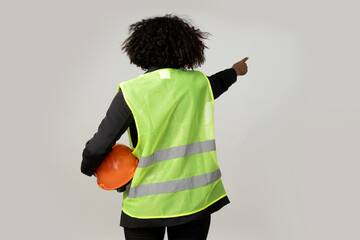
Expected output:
(164, 74)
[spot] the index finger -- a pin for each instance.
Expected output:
(245, 59)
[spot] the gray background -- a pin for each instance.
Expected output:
(287, 132)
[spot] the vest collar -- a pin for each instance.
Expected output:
(153, 68)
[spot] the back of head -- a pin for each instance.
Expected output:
(165, 42)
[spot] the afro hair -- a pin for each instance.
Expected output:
(165, 42)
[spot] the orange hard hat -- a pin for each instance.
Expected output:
(117, 169)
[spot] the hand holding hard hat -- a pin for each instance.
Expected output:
(117, 169)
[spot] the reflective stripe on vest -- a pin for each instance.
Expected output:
(174, 186)
(177, 152)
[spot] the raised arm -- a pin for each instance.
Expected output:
(221, 81)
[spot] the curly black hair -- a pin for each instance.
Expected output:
(165, 42)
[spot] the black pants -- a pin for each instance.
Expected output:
(195, 230)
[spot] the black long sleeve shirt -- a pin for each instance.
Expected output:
(118, 118)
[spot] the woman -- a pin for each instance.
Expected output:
(168, 112)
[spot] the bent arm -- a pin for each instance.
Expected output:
(117, 120)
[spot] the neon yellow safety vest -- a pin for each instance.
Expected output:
(178, 173)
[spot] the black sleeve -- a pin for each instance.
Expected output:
(221, 81)
(118, 118)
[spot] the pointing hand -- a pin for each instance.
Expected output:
(241, 67)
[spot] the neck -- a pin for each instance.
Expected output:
(153, 68)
